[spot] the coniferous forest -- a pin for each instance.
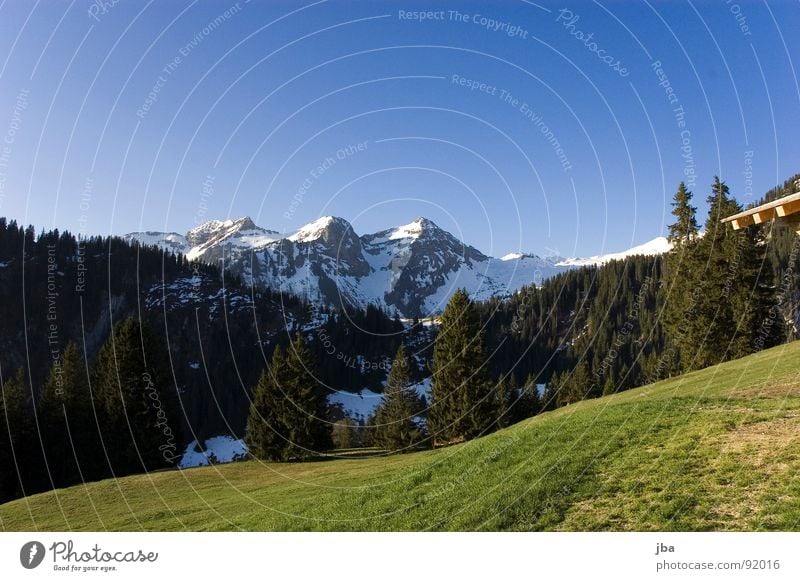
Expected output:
(113, 356)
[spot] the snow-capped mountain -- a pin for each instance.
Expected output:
(411, 270)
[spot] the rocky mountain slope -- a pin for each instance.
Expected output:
(410, 270)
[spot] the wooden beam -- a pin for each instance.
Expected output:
(742, 222)
(788, 209)
(764, 216)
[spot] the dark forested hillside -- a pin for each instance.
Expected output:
(606, 316)
(57, 289)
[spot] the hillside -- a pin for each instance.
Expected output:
(711, 450)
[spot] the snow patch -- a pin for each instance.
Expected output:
(219, 449)
(359, 405)
(312, 231)
(655, 246)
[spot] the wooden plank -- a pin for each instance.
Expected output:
(788, 209)
(764, 216)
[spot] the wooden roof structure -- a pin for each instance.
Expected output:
(785, 209)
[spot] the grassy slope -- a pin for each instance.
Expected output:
(712, 450)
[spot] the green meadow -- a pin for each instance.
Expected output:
(715, 450)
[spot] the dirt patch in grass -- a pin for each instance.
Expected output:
(755, 462)
(789, 387)
(763, 438)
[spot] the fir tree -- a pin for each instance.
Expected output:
(266, 436)
(684, 264)
(309, 429)
(609, 387)
(576, 387)
(526, 401)
(712, 324)
(15, 433)
(396, 429)
(132, 386)
(66, 412)
(550, 396)
(684, 229)
(288, 416)
(462, 405)
(503, 401)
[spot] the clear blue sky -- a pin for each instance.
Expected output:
(250, 101)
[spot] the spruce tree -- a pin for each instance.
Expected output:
(308, 426)
(526, 402)
(684, 265)
(712, 322)
(69, 427)
(577, 386)
(266, 436)
(134, 391)
(609, 387)
(503, 401)
(346, 434)
(684, 229)
(396, 429)
(288, 418)
(462, 406)
(550, 395)
(15, 434)
(720, 290)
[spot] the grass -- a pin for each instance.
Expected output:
(712, 450)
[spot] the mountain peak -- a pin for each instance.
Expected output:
(245, 223)
(321, 228)
(415, 229)
(212, 229)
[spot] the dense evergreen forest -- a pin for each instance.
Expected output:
(82, 317)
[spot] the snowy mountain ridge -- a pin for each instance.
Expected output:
(411, 269)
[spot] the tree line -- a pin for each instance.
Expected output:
(116, 417)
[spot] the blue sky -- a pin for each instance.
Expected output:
(542, 127)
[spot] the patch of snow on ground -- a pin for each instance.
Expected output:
(363, 404)
(359, 405)
(221, 449)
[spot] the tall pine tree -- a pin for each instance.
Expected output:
(15, 434)
(134, 391)
(67, 415)
(288, 419)
(684, 265)
(266, 435)
(684, 229)
(721, 273)
(396, 429)
(462, 405)
(311, 430)
(576, 386)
